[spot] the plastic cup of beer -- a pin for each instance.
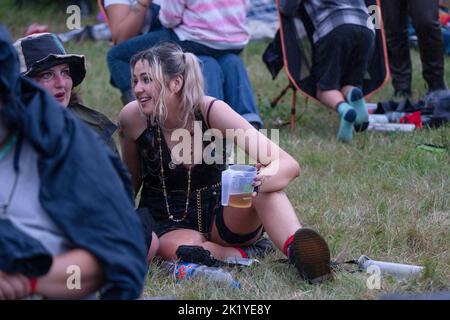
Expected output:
(237, 186)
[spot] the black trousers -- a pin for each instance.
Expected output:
(424, 15)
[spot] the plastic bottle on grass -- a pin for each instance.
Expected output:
(189, 270)
(397, 270)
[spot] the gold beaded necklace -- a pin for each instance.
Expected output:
(170, 216)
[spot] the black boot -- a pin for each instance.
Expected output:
(310, 254)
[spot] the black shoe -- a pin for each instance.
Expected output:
(259, 249)
(196, 254)
(309, 253)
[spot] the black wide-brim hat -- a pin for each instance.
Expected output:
(42, 51)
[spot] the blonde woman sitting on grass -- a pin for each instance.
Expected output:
(184, 198)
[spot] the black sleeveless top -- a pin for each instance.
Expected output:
(203, 175)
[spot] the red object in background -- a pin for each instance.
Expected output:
(414, 118)
(36, 28)
(444, 17)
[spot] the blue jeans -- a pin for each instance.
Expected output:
(226, 75)
(226, 79)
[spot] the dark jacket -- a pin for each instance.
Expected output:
(19, 253)
(97, 121)
(85, 188)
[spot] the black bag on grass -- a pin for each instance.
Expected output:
(439, 102)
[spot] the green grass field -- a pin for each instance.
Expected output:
(380, 196)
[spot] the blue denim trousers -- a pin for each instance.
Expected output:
(226, 79)
(223, 70)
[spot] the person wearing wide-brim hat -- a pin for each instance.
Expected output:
(65, 201)
(44, 59)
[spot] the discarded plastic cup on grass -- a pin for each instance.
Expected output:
(389, 268)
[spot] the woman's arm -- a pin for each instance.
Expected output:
(126, 21)
(278, 168)
(73, 275)
(131, 125)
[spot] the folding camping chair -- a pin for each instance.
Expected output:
(293, 49)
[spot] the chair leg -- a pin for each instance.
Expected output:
(293, 110)
(282, 93)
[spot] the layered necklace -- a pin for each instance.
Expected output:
(188, 192)
(4, 151)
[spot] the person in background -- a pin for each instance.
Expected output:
(68, 229)
(425, 19)
(136, 26)
(343, 43)
(43, 58)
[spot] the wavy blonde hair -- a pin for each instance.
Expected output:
(166, 61)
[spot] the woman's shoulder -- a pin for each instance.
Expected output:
(219, 115)
(131, 118)
(207, 103)
(129, 111)
(206, 106)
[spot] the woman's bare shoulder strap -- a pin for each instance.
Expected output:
(208, 111)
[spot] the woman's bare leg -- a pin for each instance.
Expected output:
(308, 252)
(153, 248)
(273, 210)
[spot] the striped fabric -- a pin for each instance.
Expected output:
(219, 24)
(263, 10)
(328, 15)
